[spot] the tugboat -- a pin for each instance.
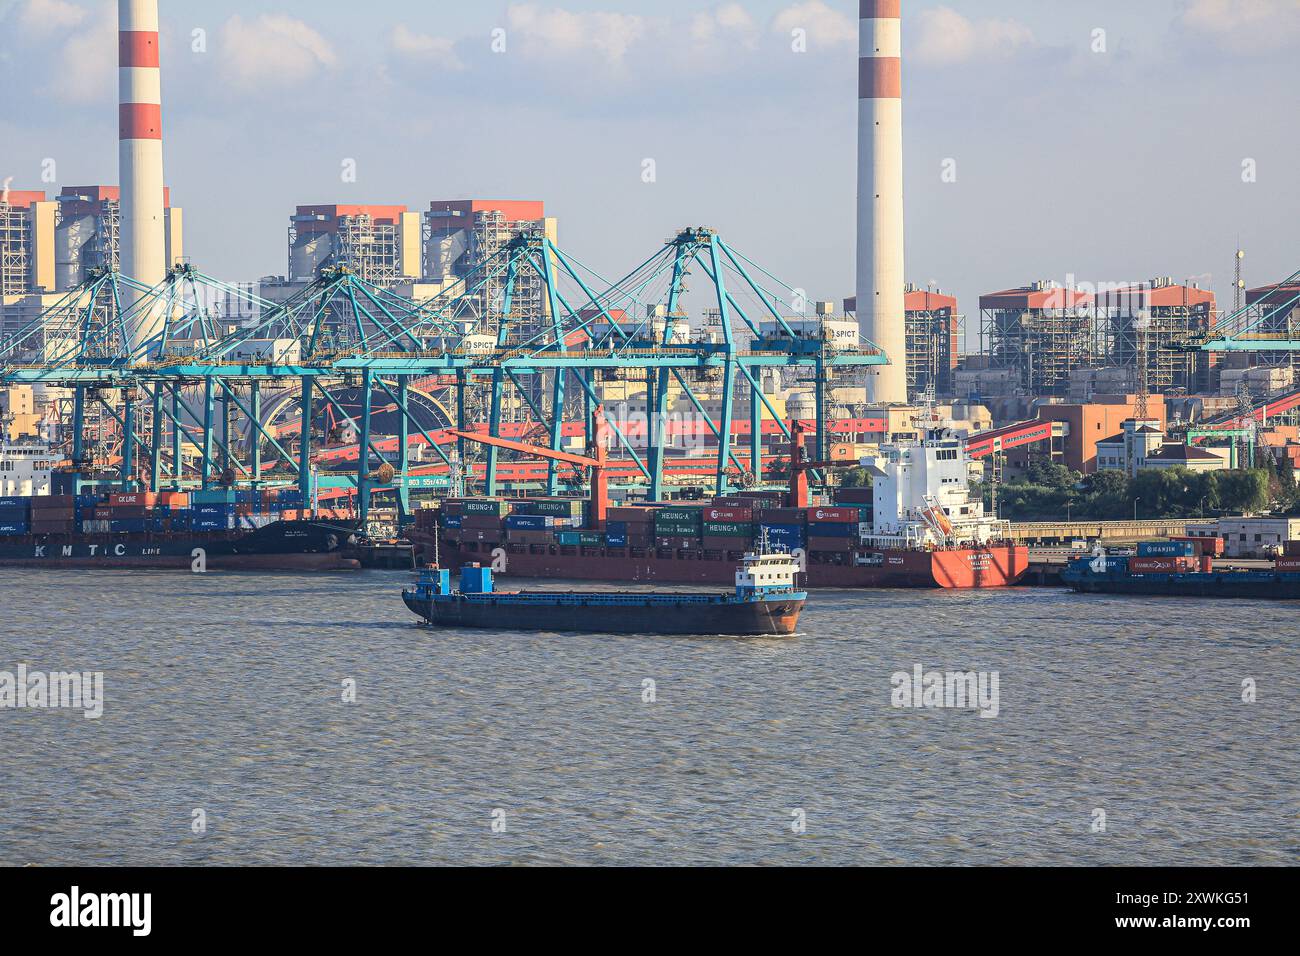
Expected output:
(767, 601)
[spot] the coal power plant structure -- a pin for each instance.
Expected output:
(880, 280)
(140, 161)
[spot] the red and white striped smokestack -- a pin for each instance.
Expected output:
(880, 196)
(142, 241)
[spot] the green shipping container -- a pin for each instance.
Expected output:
(596, 538)
(677, 529)
(679, 515)
(729, 529)
(485, 506)
(553, 508)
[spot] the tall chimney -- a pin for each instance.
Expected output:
(140, 167)
(880, 196)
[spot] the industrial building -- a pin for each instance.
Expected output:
(1143, 327)
(27, 223)
(1038, 333)
(933, 333)
(87, 235)
(54, 245)
(1279, 317)
(381, 244)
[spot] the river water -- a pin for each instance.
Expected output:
(224, 694)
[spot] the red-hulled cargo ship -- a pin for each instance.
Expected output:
(919, 528)
(989, 566)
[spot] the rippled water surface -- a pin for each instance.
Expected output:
(223, 693)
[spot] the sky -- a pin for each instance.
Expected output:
(1105, 142)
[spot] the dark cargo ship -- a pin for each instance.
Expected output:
(766, 601)
(211, 530)
(1174, 569)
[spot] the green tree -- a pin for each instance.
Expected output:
(1243, 490)
(1106, 495)
(856, 477)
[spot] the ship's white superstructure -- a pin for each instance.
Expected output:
(921, 495)
(25, 470)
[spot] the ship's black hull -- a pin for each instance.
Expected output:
(1214, 586)
(750, 618)
(279, 546)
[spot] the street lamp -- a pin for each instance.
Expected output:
(1135, 508)
(1202, 508)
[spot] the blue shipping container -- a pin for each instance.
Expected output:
(16, 501)
(213, 511)
(211, 524)
(790, 535)
(526, 522)
(451, 521)
(1166, 549)
(13, 527)
(126, 525)
(829, 529)
(616, 527)
(616, 539)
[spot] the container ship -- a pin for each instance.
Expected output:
(766, 601)
(220, 529)
(1179, 568)
(917, 526)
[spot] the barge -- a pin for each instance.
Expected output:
(766, 601)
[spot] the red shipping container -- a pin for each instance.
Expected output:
(52, 503)
(481, 522)
(782, 516)
(139, 499)
(728, 514)
(834, 515)
(1160, 565)
(1287, 564)
(1291, 549)
(46, 526)
(120, 512)
(630, 515)
(59, 513)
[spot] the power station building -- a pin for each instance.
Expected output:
(1037, 334)
(52, 245)
(381, 244)
(933, 334)
(1142, 327)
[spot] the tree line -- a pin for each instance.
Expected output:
(1049, 491)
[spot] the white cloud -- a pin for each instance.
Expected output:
(421, 46)
(729, 23)
(273, 48)
(562, 33)
(1246, 26)
(85, 68)
(49, 16)
(948, 37)
(824, 24)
